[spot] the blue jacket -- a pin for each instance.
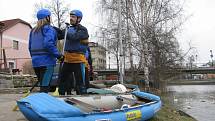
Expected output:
(74, 36)
(42, 47)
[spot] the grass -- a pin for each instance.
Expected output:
(169, 113)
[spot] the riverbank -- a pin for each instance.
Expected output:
(192, 82)
(196, 100)
(169, 113)
(7, 102)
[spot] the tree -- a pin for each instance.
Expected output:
(149, 29)
(58, 9)
(27, 68)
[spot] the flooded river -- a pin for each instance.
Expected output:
(196, 100)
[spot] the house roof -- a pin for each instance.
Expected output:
(1, 25)
(4, 25)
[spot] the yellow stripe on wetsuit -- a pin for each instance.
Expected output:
(71, 57)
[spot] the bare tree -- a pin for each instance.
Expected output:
(27, 68)
(58, 9)
(149, 29)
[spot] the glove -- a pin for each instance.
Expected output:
(59, 32)
(60, 59)
(56, 29)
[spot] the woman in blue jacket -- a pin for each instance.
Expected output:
(43, 50)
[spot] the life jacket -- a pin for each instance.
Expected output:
(73, 42)
(37, 47)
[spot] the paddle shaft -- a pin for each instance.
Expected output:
(61, 63)
(34, 86)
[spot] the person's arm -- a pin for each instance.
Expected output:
(80, 34)
(49, 42)
(84, 42)
(60, 33)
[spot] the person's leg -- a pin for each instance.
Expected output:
(46, 74)
(65, 85)
(37, 72)
(63, 77)
(80, 79)
(40, 71)
(69, 81)
(87, 83)
(70, 84)
(74, 76)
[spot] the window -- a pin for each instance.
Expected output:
(15, 45)
(11, 65)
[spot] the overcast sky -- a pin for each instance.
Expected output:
(23, 9)
(199, 29)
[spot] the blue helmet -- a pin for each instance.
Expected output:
(77, 13)
(43, 13)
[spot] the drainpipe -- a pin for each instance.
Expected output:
(0, 48)
(5, 61)
(1, 42)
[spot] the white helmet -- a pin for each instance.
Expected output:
(119, 88)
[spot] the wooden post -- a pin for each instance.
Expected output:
(5, 61)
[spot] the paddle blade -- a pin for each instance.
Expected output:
(55, 93)
(25, 95)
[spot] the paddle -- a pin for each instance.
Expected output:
(26, 94)
(56, 92)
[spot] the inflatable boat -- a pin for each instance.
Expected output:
(134, 106)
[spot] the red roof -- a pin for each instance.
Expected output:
(4, 25)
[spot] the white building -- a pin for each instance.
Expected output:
(98, 56)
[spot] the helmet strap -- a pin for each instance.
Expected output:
(78, 20)
(48, 19)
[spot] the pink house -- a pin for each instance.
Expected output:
(14, 36)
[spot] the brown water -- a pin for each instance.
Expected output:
(196, 100)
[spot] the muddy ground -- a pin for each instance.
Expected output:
(7, 102)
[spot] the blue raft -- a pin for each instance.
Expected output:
(43, 107)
